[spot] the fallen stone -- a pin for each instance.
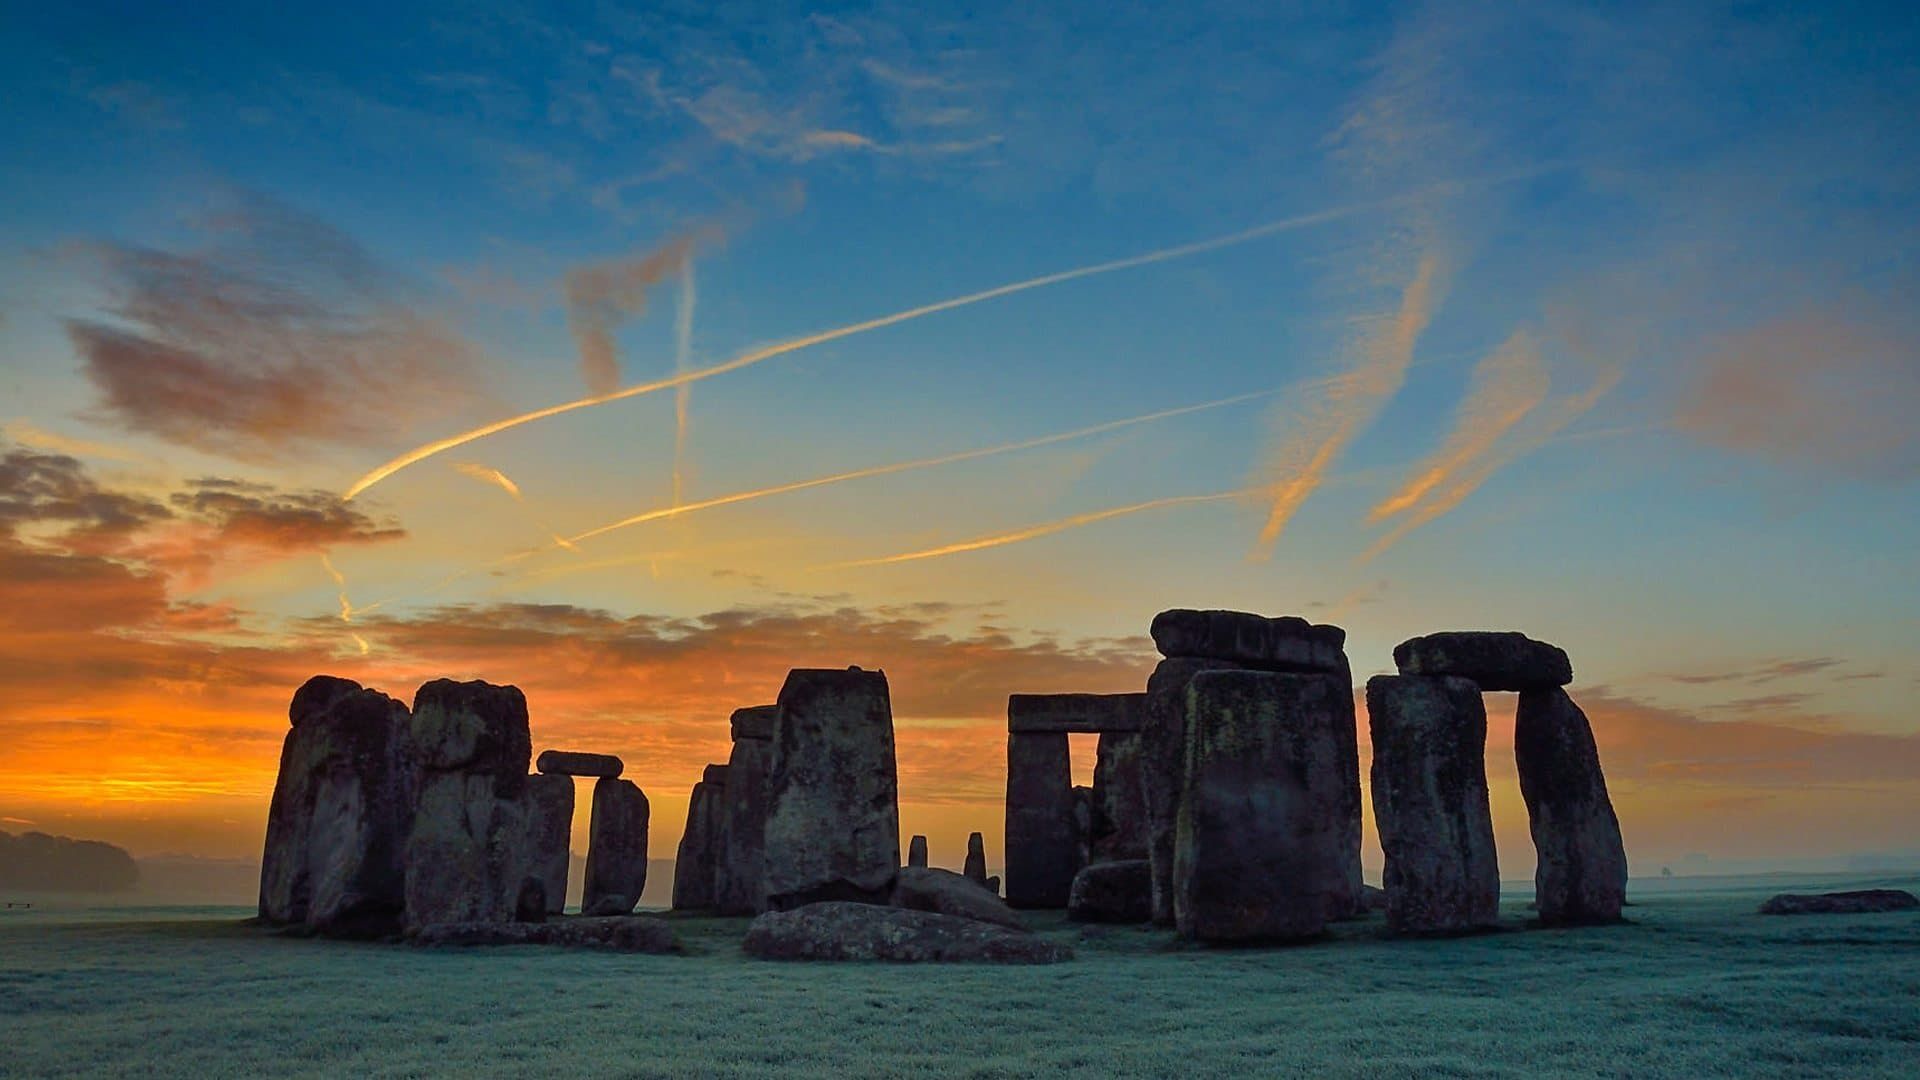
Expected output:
(1075, 713)
(926, 889)
(1858, 902)
(833, 815)
(1581, 875)
(841, 930)
(1430, 803)
(1042, 843)
(467, 855)
(976, 865)
(342, 809)
(917, 851)
(628, 933)
(740, 865)
(548, 804)
(616, 848)
(1279, 644)
(1257, 853)
(755, 722)
(573, 763)
(1494, 660)
(695, 869)
(1163, 754)
(1114, 892)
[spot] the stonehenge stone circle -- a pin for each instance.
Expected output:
(1041, 841)
(616, 848)
(695, 864)
(976, 865)
(1495, 660)
(739, 885)
(917, 851)
(1430, 803)
(1258, 846)
(466, 859)
(549, 814)
(342, 809)
(833, 816)
(1118, 892)
(574, 763)
(1581, 875)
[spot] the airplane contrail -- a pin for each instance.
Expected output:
(768, 352)
(920, 463)
(682, 360)
(500, 480)
(1034, 532)
(346, 606)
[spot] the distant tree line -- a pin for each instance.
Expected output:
(40, 863)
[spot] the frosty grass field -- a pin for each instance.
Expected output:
(1699, 985)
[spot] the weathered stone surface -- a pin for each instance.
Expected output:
(1118, 830)
(976, 865)
(1082, 828)
(1279, 644)
(840, 930)
(1344, 784)
(755, 722)
(696, 871)
(1120, 892)
(1257, 853)
(1494, 660)
(1857, 902)
(1041, 842)
(548, 803)
(1581, 874)
(616, 848)
(342, 809)
(739, 878)
(917, 851)
(714, 774)
(833, 815)
(1163, 754)
(628, 933)
(1430, 803)
(927, 889)
(467, 856)
(1373, 898)
(575, 763)
(1076, 713)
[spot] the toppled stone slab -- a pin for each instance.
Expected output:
(1856, 902)
(1076, 713)
(943, 891)
(1042, 841)
(1286, 643)
(1581, 875)
(628, 933)
(754, 722)
(1496, 660)
(575, 763)
(842, 930)
(616, 848)
(1113, 892)
(833, 813)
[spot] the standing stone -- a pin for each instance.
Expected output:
(1119, 826)
(466, 856)
(1082, 827)
(833, 814)
(1582, 871)
(616, 848)
(1258, 852)
(1042, 844)
(695, 865)
(917, 852)
(1430, 803)
(549, 809)
(1162, 764)
(1497, 661)
(976, 865)
(1350, 902)
(341, 812)
(739, 880)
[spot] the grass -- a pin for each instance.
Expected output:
(1699, 985)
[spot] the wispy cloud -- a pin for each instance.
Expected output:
(602, 296)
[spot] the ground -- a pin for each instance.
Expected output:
(1697, 985)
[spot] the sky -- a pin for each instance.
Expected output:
(634, 356)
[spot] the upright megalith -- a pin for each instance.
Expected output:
(833, 815)
(696, 863)
(1119, 823)
(917, 852)
(1581, 875)
(342, 808)
(976, 865)
(1042, 844)
(739, 870)
(1496, 660)
(1258, 843)
(467, 855)
(1163, 748)
(616, 848)
(548, 802)
(1430, 803)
